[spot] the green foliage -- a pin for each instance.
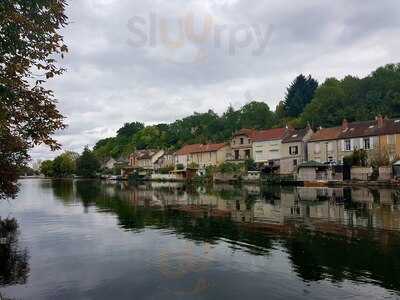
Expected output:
(87, 164)
(355, 99)
(30, 47)
(256, 115)
(180, 167)
(166, 170)
(210, 170)
(230, 168)
(197, 128)
(193, 166)
(46, 168)
(359, 158)
(299, 95)
(250, 165)
(129, 129)
(380, 158)
(64, 165)
(327, 105)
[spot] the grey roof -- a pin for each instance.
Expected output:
(295, 135)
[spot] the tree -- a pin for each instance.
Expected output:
(64, 165)
(299, 94)
(250, 165)
(327, 107)
(87, 164)
(256, 115)
(29, 46)
(129, 129)
(46, 168)
(359, 158)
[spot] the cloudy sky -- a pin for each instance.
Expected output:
(155, 61)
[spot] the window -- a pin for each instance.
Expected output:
(347, 145)
(317, 148)
(248, 141)
(391, 139)
(294, 162)
(293, 150)
(241, 141)
(367, 144)
(236, 154)
(247, 153)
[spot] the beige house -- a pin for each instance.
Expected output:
(323, 145)
(202, 155)
(294, 149)
(167, 160)
(145, 159)
(242, 144)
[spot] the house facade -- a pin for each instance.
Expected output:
(242, 144)
(322, 147)
(145, 159)
(202, 155)
(109, 164)
(167, 160)
(267, 146)
(294, 149)
(357, 135)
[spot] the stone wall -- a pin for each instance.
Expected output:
(385, 173)
(360, 173)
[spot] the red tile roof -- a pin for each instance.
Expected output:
(199, 148)
(326, 134)
(269, 134)
(245, 131)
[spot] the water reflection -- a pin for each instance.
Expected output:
(14, 267)
(328, 233)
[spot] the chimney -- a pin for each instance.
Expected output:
(345, 124)
(379, 121)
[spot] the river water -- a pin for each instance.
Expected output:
(103, 240)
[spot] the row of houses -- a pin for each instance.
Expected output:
(280, 150)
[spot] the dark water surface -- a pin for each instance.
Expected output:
(96, 240)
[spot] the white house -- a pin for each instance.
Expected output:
(267, 146)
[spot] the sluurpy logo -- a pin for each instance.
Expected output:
(190, 39)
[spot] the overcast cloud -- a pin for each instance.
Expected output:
(251, 50)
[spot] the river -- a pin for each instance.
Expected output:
(102, 240)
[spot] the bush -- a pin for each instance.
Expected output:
(193, 166)
(180, 167)
(359, 158)
(230, 168)
(381, 158)
(250, 165)
(166, 170)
